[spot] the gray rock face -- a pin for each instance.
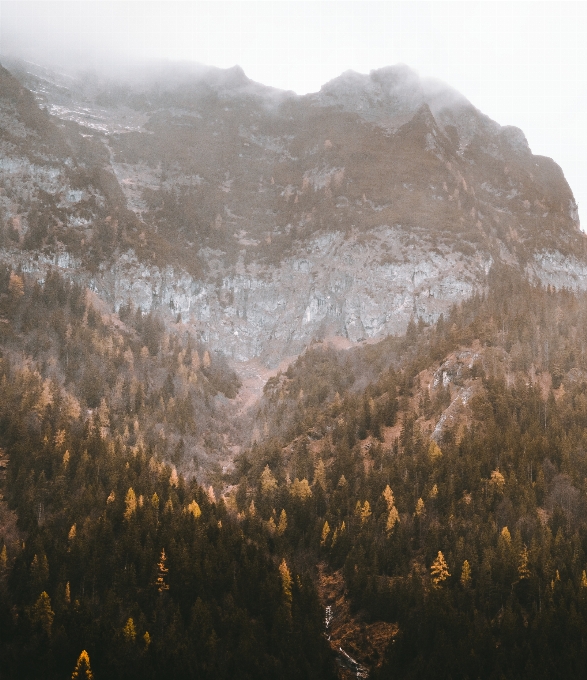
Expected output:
(338, 286)
(262, 220)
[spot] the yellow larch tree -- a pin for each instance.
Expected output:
(194, 509)
(130, 503)
(439, 570)
(282, 525)
(82, 669)
(325, 532)
(300, 489)
(466, 574)
(268, 481)
(285, 581)
(365, 512)
(129, 632)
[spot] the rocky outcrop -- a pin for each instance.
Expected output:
(262, 220)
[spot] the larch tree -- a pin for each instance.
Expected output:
(130, 503)
(325, 532)
(466, 575)
(194, 509)
(129, 632)
(268, 481)
(439, 570)
(282, 525)
(82, 670)
(285, 581)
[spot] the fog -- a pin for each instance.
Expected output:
(522, 64)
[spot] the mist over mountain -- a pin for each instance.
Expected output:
(292, 386)
(267, 220)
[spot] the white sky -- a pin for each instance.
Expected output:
(522, 63)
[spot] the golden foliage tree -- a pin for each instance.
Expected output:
(282, 525)
(285, 581)
(82, 669)
(194, 509)
(466, 574)
(365, 512)
(130, 503)
(393, 515)
(300, 489)
(434, 451)
(268, 481)
(129, 632)
(439, 570)
(325, 532)
(497, 481)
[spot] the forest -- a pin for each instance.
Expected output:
(440, 477)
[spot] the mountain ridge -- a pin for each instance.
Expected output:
(266, 220)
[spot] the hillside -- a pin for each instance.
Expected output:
(292, 387)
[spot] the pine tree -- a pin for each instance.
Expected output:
(42, 614)
(439, 570)
(82, 670)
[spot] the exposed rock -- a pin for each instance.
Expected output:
(264, 220)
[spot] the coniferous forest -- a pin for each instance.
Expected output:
(440, 478)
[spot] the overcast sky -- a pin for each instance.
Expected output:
(523, 64)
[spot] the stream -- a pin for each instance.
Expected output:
(343, 658)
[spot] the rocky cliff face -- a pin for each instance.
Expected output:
(263, 220)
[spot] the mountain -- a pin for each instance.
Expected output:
(264, 220)
(291, 387)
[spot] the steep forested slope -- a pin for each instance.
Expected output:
(450, 493)
(104, 547)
